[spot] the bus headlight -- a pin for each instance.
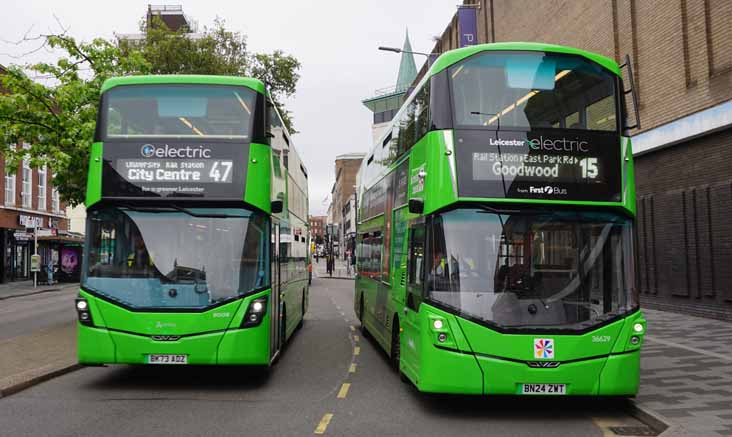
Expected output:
(634, 340)
(255, 312)
(437, 323)
(638, 327)
(82, 311)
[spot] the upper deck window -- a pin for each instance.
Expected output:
(529, 90)
(178, 111)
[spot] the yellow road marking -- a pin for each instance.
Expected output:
(352, 369)
(344, 390)
(356, 338)
(356, 350)
(323, 425)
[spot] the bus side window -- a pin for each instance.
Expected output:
(416, 266)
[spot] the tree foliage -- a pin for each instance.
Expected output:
(57, 116)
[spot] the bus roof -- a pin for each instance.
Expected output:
(453, 56)
(255, 84)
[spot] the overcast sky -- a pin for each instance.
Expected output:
(335, 41)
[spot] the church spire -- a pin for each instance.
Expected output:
(407, 66)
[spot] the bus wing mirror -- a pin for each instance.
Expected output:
(632, 91)
(416, 205)
(276, 206)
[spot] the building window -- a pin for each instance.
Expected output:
(55, 201)
(9, 188)
(42, 185)
(26, 192)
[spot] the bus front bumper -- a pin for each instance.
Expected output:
(238, 346)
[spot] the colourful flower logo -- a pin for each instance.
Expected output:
(544, 348)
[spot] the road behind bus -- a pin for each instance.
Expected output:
(329, 380)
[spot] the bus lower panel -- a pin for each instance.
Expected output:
(445, 371)
(241, 346)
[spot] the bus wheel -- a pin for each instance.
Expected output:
(283, 329)
(302, 319)
(364, 330)
(396, 347)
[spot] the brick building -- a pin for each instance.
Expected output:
(682, 59)
(28, 200)
(317, 228)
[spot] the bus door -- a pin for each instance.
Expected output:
(275, 325)
(410, 351)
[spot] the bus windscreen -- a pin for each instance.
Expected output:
(178, 111)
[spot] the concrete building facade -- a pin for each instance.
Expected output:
(681, 53)
(346, 168)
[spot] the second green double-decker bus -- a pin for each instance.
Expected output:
(196, 249)
(495, 235)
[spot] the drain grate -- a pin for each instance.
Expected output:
(633, 430)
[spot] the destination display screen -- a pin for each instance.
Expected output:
(174, 169)
(539, 165)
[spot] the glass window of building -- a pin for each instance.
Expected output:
(26, 192)
(42, 184)
(9, 188)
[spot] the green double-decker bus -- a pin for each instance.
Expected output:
(495, 230)
(196, 234)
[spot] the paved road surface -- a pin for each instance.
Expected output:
(25, 314)
(303, 394)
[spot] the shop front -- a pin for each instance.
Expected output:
(60, 250)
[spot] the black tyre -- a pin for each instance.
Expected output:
(364, 330)
(396, 347)
(302, 320)
(283, 330)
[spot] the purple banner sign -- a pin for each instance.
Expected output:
(468, 26)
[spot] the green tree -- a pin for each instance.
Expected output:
(57, 117)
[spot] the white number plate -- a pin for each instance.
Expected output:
(167, 359)
(544, 389)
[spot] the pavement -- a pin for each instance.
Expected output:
(331, 380)
(37, 334)
(341, 270)
(10, 290)
(686, 374)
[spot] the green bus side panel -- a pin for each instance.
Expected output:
(293, 293)
(259, 177)
(441, 179)
(94, 177)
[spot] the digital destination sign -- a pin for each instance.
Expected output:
(174, 169)
(539, 165)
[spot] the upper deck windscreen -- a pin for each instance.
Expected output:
(178, 111)
(533, 90)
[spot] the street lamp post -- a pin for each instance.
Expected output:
(398, 50)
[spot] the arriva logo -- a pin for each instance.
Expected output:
(165, 325)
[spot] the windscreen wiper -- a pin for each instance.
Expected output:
(167, 208)
(197, 215)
